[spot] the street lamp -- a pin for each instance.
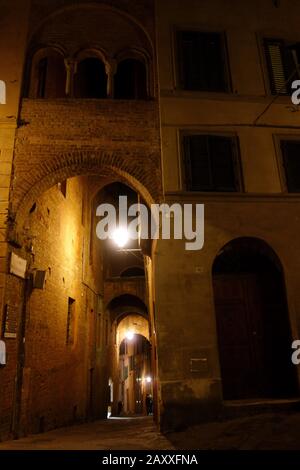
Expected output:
(120, 236)
(129, 335)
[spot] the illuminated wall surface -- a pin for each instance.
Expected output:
(132, 107)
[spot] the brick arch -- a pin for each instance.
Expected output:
(120, 313)
(91, 50)
(96, 7)
(126, 304)
(110, 166)
(130, 298)
(142, 329)
(41, 50)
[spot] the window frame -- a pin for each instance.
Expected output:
(278, 139)
(225, 59)
(237, 162)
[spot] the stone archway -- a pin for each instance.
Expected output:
(128, 313)
(107, 166)
(59, 245)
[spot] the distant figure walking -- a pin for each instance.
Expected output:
(149, 404)
(120, 407)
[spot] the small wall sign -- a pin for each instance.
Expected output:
(18, 265)
(2, 92)
(2, 353)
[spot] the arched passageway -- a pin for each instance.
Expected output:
(253, 327)
(134, 367)
(130, 357)
(76, 292)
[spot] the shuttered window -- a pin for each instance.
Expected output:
(211, 163)
(202, 62)
(281, 66)
(291, 162)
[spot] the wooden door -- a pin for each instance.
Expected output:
(240, 327)
(254, 336)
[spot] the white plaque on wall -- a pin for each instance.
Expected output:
(18, 265)
(2, 353)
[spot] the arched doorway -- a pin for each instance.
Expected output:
(254, 336)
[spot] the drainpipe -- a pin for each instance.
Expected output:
(16, 422)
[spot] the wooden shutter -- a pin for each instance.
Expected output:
(291, 162)
(280, 66)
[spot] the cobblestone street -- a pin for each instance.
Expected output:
(263, 431)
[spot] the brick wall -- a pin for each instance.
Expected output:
(62, 138)
(106, 141)
(119, 286)
(141, 10)
(56, 375)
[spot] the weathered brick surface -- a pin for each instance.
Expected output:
(141, 11)
(58, 139)
(14, 298)
(116, 287)
(63, 138)
(78, 26)
(56, 380)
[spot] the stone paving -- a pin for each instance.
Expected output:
(262, 431)
(111, 434)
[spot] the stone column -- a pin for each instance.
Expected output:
(110, 69)
(71, 69)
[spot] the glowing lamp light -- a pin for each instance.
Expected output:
(148, 379)
(129, 335)
(120, 236)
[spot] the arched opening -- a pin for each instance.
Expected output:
(118, 258)
(48, 75)
(134, 366)
(254, 335)
(76, 290)
(131, 80)
(90, 79)
(133, 271)
(124, 303)
(131, 356)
